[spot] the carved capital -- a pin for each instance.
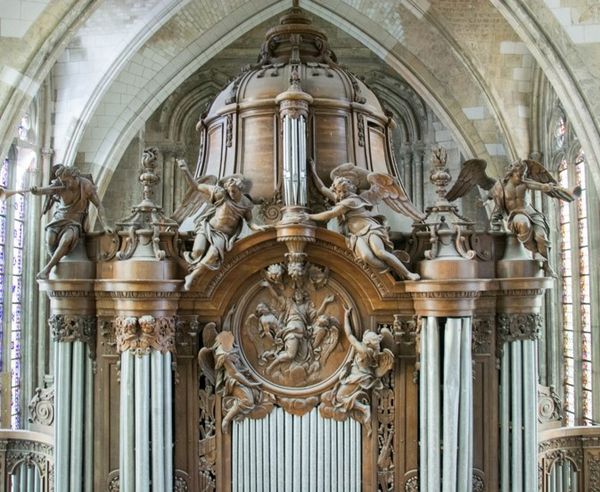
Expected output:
(70, 328)
(518, 326)
(141, 335)
(41, 407)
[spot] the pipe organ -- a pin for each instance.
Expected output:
(294, 356)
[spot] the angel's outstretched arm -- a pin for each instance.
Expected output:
(326, 192)
(328, 214)
(348, 329)
(536, 185)
(205, 189)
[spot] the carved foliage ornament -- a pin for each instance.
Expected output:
(141, 335)
(69, 328)
(517, 326)
(385, 399)
(41, 406)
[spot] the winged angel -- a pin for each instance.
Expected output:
(221, 206)
(222, 365)
(355, 192)
(510, 198)
(362, 374)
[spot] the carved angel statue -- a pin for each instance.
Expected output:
(222, 365)
(350, 397)
(510, 198)
(355, 192)
(219, 223)
(70, 194)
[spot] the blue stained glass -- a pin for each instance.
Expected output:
(2, 230)
(2, 265)
(3, 207)
(17, 288)
(16, 313)
(19, 207)
(18, 234)
(17, 262)
(4, 174)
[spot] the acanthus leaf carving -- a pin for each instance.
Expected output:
(71, 328)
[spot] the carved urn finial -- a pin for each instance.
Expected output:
(148, 176)
(440, 176)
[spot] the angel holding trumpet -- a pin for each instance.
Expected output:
(511, 203)
(355, 192)
(70, 193)
(220, 223)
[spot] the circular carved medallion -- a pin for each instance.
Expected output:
(289, 328)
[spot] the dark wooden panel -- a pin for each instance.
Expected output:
(330, 137)
(257, 154)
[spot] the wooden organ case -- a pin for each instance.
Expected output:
(298, 357)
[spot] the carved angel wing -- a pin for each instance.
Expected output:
(209, 334)
(472, 174)
(385, 362)
(330, 342)
(258, 338)
(387, 340)
(192, 200)
(537, 172)
(206, 360)
(390, 190)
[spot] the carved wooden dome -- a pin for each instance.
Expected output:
(241, 133)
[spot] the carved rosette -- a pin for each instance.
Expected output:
(71, 328)
(146, 333)
(181, 482)
(412, 484)
(113, 481)
(516, 326)
(41, 407)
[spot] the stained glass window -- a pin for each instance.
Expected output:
(575, 290)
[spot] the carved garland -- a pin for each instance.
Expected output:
(385, 399)
(141, 335)
(69, 328)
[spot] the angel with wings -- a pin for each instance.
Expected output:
(222, 365)
(355, 192)
(69, 194)
(220, 221)
(350, 395)
(510, 198)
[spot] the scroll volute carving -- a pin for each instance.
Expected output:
(290, 327)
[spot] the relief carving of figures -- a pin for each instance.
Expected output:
(511, 202)
(220, 209)
(355, 192)
(350, 397)
(70, 193)
(294, 330)
(141, 335)
(223, 366)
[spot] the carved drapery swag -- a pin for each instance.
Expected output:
(143, 334)
(71, 328)
(41, 406)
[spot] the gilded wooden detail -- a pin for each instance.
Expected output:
(146, 333)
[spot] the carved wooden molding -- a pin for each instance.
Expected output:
(41, 406)
(141, 335)
(71, 328)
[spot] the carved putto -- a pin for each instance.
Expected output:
(143, 334)
(350, 397)
(293, 329)
(221, 363)
(220, 209)
(355, 192)
(511, 203)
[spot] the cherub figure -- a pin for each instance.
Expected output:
(511, 201)
(350, 396)
(355, 192)
(222, 365)
(70, 193)
(219, 224)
